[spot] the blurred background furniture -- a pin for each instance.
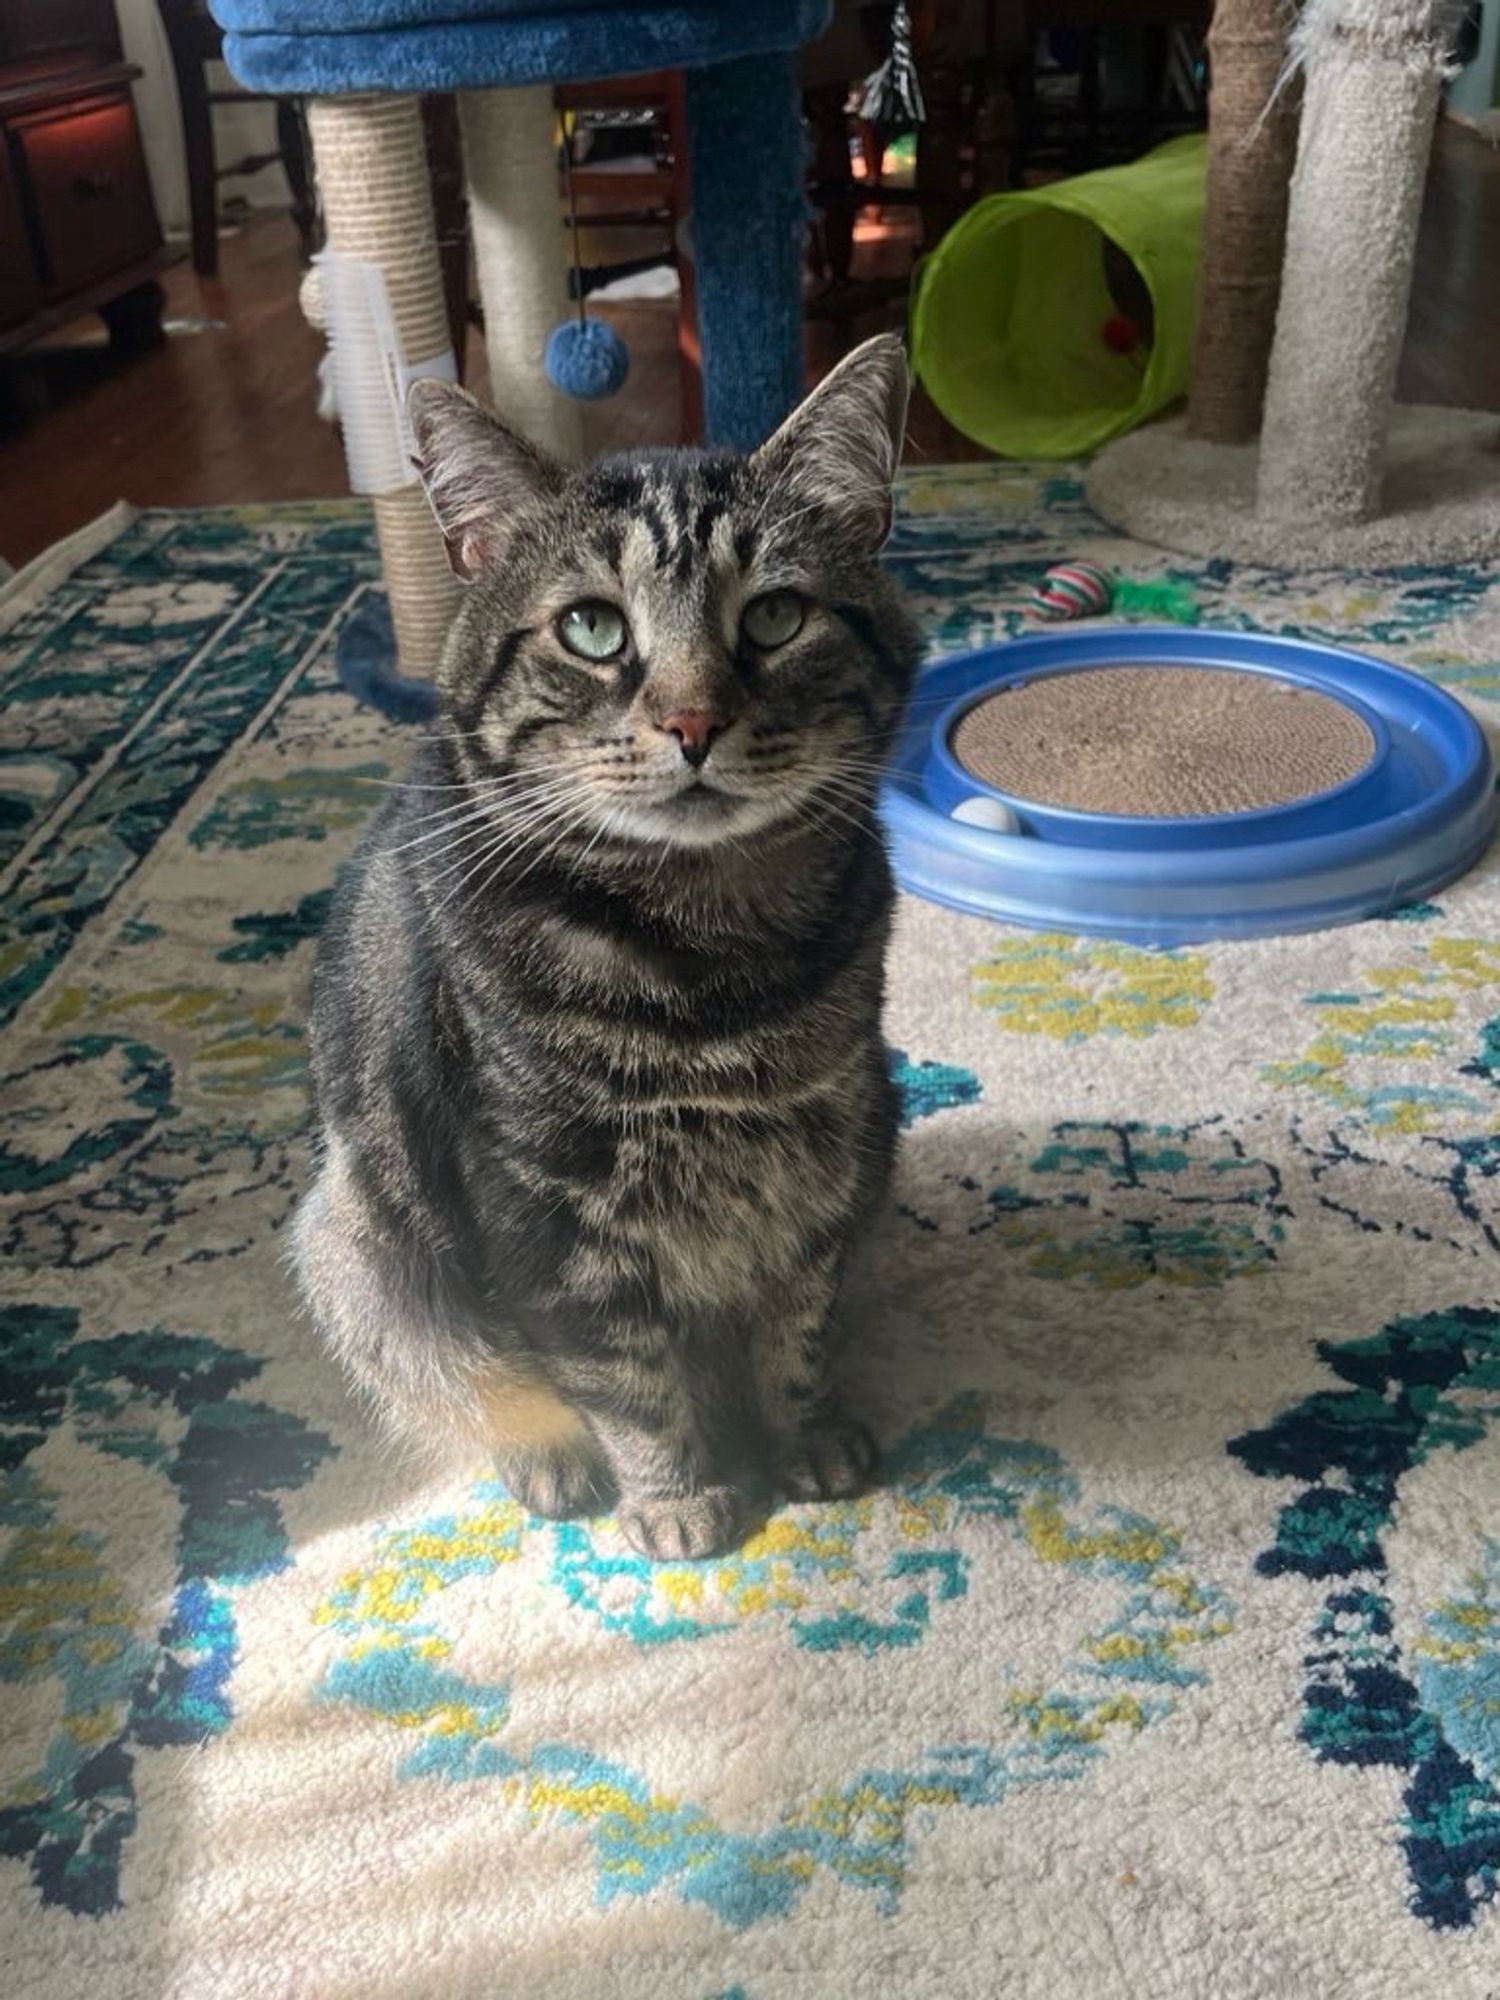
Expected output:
(196, 41)
(78, 227)
(1016, 91)
(962, 51)
(1098, 82)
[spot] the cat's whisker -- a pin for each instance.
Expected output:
(810, 815)
(863, 790)
(518, 786)
(483, 802)
(463, 846)
(509, 851)
(605, 830)
(863, 823)
(510, 818)
(853, 760)
(865, 829)
(513, 783)
(458, 887)
(850, 787)
(578, 819)
(484, 782)
(458, 785)
(470, 866)
(430, 848)
(517, 829)
(451, 735)
(484, 812)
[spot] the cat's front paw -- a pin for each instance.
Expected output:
(559, 1485)
(688, 1524)
(831, 1460)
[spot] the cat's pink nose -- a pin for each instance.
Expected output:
(695, 730)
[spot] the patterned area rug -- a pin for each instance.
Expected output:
(1167, 1661)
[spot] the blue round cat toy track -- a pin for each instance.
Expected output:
(1167, 786)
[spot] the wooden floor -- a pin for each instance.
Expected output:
(224, 411)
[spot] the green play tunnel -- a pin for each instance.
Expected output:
(1012, 320)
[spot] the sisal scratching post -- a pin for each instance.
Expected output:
(1252, 140)
(1373, 70)
(520, 256)
(377, 203)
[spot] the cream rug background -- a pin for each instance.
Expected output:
(1167, 1664)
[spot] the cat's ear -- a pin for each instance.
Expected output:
(842, 447)
(478, 473)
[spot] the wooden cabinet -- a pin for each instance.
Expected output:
(78, 227)
(20, 283)
(87, 176)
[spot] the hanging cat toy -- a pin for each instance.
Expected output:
(584, 358)
(893, 96)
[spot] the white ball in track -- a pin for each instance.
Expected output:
(992, 814)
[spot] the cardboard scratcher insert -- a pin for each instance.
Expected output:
(1162, 742)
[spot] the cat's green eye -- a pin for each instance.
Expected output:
(592, 630)
(772, 619)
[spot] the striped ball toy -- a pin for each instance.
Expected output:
(1073, 590)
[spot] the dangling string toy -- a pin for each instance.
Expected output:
(893, 96)
(583, 357)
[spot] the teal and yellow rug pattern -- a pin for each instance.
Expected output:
(1166, 1660)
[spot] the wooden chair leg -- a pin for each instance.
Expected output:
(1021, 82)
(939, 162)
(450, 210)
(830, 127)
(134, 318)
(291, 135)
(689, 354)
(198, 150)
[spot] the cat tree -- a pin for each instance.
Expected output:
(1340, 473)
(361, 64)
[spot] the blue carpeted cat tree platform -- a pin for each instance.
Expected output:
(361, 63)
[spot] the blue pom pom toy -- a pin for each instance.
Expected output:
(587, 359)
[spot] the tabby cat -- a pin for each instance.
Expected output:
(596, 1034)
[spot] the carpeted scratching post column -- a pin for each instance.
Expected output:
(377, 204)
(1341, 475)
(749, 216)
(1252, 141)
(1373, 70)
(520, 256)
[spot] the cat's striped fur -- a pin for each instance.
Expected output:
(597, 1027)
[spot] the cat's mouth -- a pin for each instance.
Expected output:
(700, 798)
(698, 812)
(704, 811)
